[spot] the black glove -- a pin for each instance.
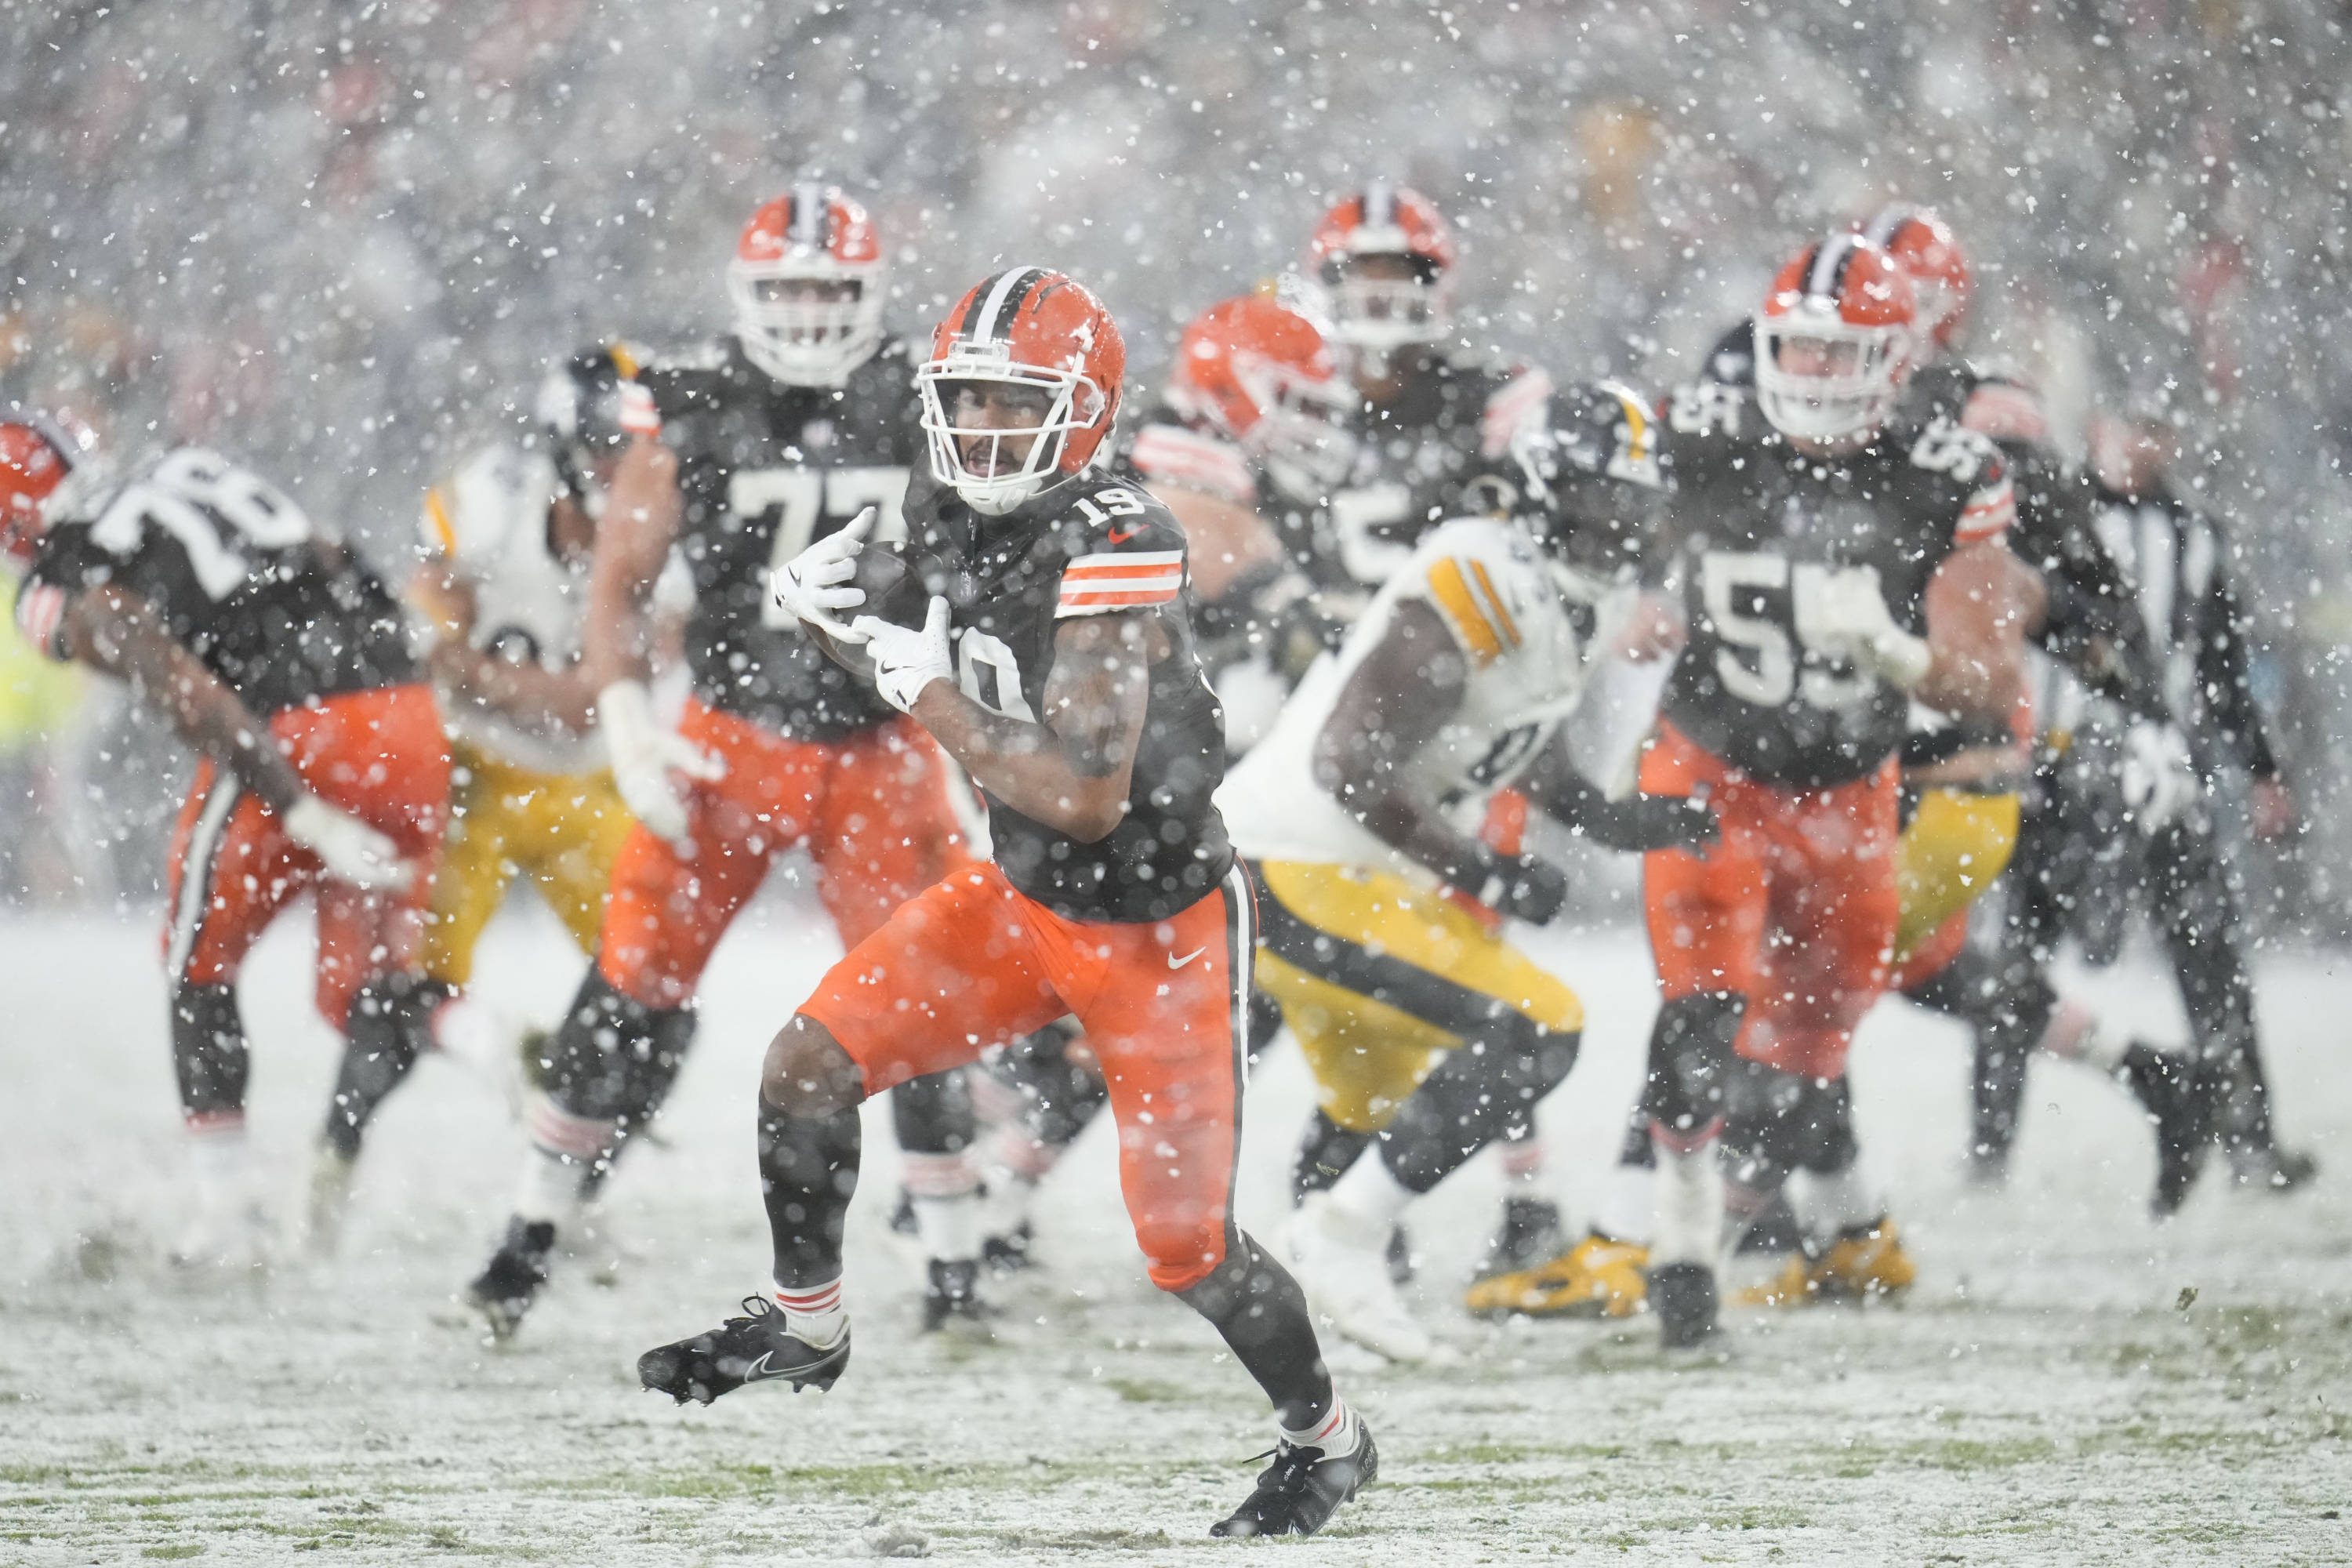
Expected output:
(1648, 822)
(1527, 887)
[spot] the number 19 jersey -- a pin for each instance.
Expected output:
(765, 468)
(1755, 529)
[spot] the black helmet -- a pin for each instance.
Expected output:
(579, 415)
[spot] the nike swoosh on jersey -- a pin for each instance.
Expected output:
(1120, 536)
(1176, 962)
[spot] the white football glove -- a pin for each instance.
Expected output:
(1844, 612)
(906, 661)
(2159, 776)
(349, 849)
(811, 585)
(643, 754)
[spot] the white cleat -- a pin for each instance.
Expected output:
(326, 1200)
(1344, 1269)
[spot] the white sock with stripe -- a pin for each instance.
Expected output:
(1339, 1434)
(814, 1312)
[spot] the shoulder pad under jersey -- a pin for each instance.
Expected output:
(1481, 576)
(1980, 480)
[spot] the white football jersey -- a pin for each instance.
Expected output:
(488, 521)
(1509, 610)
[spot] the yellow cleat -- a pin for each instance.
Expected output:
(1597, 1277)
(1866, 1261)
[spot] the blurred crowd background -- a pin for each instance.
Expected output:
(342, 240)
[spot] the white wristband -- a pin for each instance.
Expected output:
(1901, 657)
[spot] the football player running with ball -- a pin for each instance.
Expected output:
(1836, 566)
(1056, 665)
(281, 659)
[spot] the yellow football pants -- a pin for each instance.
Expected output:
(1957, 844)
(562, 831)
(1376, 977)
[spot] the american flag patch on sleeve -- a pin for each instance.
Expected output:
(1989, 513)
(1092, 584)
(40, 611)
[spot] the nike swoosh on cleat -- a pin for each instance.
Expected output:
(1176, 962)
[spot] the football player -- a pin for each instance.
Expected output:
(747, 450)
(507, 536)
(1836, 564)
(1430, 1036)
(1057, 668)
(1434, 429)
(280, 657)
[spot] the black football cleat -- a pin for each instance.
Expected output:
(1399, 1256)
(754, 1348)
(1297, 1493)
(1530, 1237)
(1009, 1253)
(504, 1291)
(953, 1295)
(1683, 1297)
(2178, 1097)
(2269, 1168)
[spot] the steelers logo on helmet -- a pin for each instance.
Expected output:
(1262, 375)
(1021, 389)
(1835, 340)
(39, 451)
(1923, 245)
(808, 286)
(1383, 260)
(579, 413)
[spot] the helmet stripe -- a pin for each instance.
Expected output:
(812, 216)
(1001, 296)
(1379, 204)
(1826, 276)
(1887, 222)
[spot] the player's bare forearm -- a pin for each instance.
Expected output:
(1225, 540)
(115, 632)
(530, 694)
(1978, 606)
(633, 539)
(1398, 701)
(1073, 770)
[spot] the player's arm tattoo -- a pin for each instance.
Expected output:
(117, 633)
(1396, 702)
(1073, 769)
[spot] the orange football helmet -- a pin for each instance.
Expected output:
(1042, 336)
(37, 450)
(1835, 340)
(1262, 375)
(1923, 245)
(1384, 312)
(807, 287)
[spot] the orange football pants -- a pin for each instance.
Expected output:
(875, 812)
(379, 756)
(1165, 1006)
(1794, 908)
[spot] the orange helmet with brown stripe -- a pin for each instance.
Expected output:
(1923, 245)
(1022, 388)
(1835, 340)
(1262, 375)
(807, 287)
(1385, 307)
(37, 450)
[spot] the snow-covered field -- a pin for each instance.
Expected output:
(2051, 1394)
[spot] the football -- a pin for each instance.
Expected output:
(894, 591)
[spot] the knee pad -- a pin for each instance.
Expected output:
(208, 1050)
(613, 1058)
(1690, 1059)
(933, 1114)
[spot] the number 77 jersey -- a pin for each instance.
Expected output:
(1756, 529)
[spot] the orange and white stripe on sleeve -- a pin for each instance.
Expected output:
(1093, 584)
(1989, 513)
(638, 415)
(40, 612)
(1172, 455)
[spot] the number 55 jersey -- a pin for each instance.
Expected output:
(1753, 529)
